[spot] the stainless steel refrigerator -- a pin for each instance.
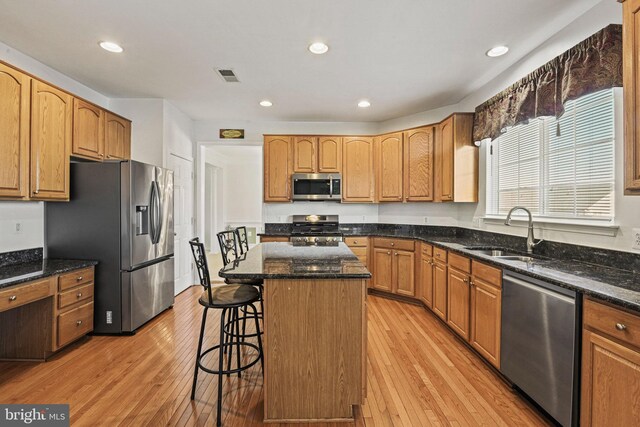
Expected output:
(120, 214)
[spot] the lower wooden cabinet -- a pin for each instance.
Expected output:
(360, 248)
(404, 265)
(440, 289)
(610, 366)
(425, 288)
(382, 269)
(458, 302)
(486, 310)
(394, 266)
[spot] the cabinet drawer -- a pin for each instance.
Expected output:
(612, 321)
(440, 254)
(357, 242)
(75, 323)
(460, 263)
(74, 296)
(487, 273)
(427, 249)
(403, 245)
(75, 278)
(24, 294)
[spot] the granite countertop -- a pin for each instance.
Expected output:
(280, 260)
(14, 274)
(590, 271)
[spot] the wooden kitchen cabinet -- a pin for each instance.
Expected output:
(277, 168)
(404, 265)
(360, 247)
(486, 310)
(268, 239)
(458, 302)
(357, 170)
(88, 130)
(456, 160)
(440, 289)
(304, 154)
(382, 269)
(610, 366)
(418, 164)
(394, 266)
(329, 154)
(631, 87)
(389, 166)
(425, 293)
(51, 135)
(117, 137)
(14, 133)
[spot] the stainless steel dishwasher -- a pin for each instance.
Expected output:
(540, 342)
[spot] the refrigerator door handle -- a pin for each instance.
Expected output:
(153, 214)
(159, 212)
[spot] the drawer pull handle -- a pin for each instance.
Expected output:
(79, 294)
(79, 322)
(621, 326)
(355, 242)
(13, 298)
(79, 278)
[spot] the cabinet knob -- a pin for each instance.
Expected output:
(621, 326)
(355, 242)
(396, 254)
(79, 294)
(79, 322)
(36, 191)
(13, 298)
(388, 252)
(79, 278)
(466, 280)
(393, 244)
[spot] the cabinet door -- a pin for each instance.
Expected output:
(383, 269)
(277, 169)
(458, 299)
(426, 281)
(610, 382)
(486, 306)
(440, 290)
(14, 133)
(357, 169)
(631, 85)
(445, 160)
(329, 154)
(418, 164)
(117, 138)
(304, 154)
(404, 268)
(88, 130)
(389, 167)
(51, 134)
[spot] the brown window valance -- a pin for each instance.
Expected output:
(592, 65)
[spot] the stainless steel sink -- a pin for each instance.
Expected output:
(501, 253)
(517, 258)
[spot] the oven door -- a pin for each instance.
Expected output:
(319, 186)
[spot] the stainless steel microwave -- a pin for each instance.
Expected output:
(316, 186)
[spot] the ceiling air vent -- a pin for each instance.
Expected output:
(228, 75)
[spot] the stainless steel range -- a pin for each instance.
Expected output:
(316, 230)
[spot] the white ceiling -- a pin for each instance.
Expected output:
(405, 56)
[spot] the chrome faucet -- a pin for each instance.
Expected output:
(531, 241)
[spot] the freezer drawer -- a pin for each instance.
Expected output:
(146, 292)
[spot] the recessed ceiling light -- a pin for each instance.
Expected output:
(266, 103)
(364, 104)
(111, 47)
(318, 48)
(497, 51)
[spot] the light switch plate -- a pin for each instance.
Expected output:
(635, 232)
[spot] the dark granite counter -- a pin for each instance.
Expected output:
(14, 274)
(609, 275)
(279, 260)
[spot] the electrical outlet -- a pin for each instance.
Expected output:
(18, 229)
(426, 219)
(364, 218)
(636, 238)
(476, 222)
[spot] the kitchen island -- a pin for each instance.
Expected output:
(314, 329)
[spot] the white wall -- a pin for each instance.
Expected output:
(177, 132)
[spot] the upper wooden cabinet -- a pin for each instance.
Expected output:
(277, 168)
(418, 164)
(304, 154)
(389, 159)
(357, 169)
(456, 159)
(631, 85)
(51, 134)
(117, 137)
(330, 154)
(14, 133)
(88, 130)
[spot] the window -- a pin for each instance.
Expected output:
(557, 168)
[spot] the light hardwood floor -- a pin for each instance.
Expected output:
(419, 374)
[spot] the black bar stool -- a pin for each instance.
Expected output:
(228, 298)
(243, 245)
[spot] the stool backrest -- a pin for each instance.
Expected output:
(243, 242)
(200, 258)
(228, 246)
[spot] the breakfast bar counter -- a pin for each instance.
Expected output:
(314, 329)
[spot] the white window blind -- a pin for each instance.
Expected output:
(558, 168)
